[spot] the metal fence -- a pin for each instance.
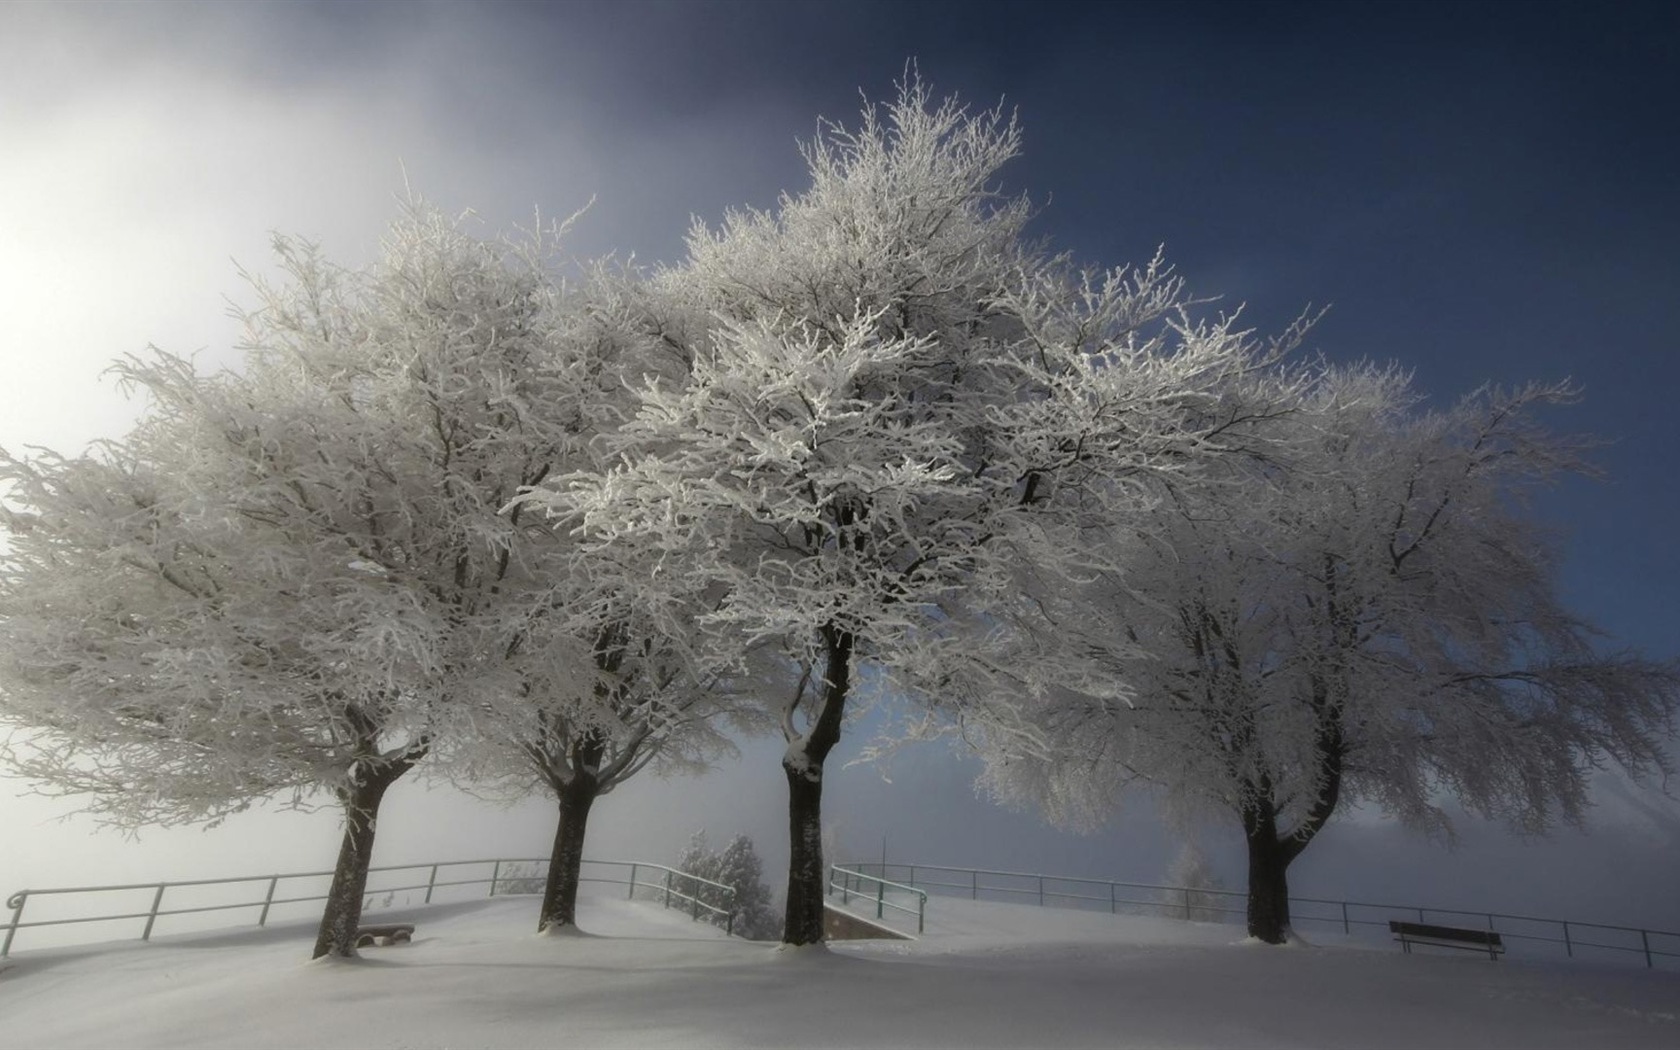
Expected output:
(689, 892)
(874, 889)
(1540, 936)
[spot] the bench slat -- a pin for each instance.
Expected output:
(1410, 933)
(1447, 933)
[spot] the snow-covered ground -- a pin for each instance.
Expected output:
(984, 975)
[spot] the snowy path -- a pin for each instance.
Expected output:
(986, 975)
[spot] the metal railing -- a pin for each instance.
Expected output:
(670, 885)
(851, 883)
(1577, 939)
(723, 894)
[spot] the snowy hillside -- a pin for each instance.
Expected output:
(984, 975)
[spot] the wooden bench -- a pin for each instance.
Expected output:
(395, 933)
(1410, 933)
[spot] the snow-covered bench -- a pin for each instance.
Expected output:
(1410, 933)
(395, 933)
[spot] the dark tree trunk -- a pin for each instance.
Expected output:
(343, 913)
(804, 921)
(565, 865)
(803, 764)
(1270, 853)
(371, 776)
(1268, 888)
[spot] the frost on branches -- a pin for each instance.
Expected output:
(891, 406)
(314, 573)
(191, 620)
(868, 442)
(579, 665)
(1367, 614)
(291, 577)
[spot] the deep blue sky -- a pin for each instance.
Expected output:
(1480, 192)
(1485, 193)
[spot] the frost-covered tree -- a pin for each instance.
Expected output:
(1370, 614)
(635, 710)
(308, 567)
(636, 703)
(565, 665)
(737, 866)
(178, 643)
(1194, 883)
(589, 652)
(888, 394)
(740, 868)
(332, 523)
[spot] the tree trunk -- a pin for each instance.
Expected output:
(565, 865)
(1269, 853)
(803, 764)
(1268, 888)
(804, 921)
(343, 913)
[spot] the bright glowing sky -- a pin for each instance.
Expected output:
(1484, 193)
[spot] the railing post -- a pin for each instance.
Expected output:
(1346, 926)
(157, 899)
(495, 873)
(921, 911)
(1186, 904)
(1645, 939)
(974, 884)
(430, 882)
(262, 920)
(1041, 891)
(880, 898)
(632, 894)
(1568, 948)
(17, 903)
(1420, 916)
(912, 879)
(667, 889)
(1112, 908)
